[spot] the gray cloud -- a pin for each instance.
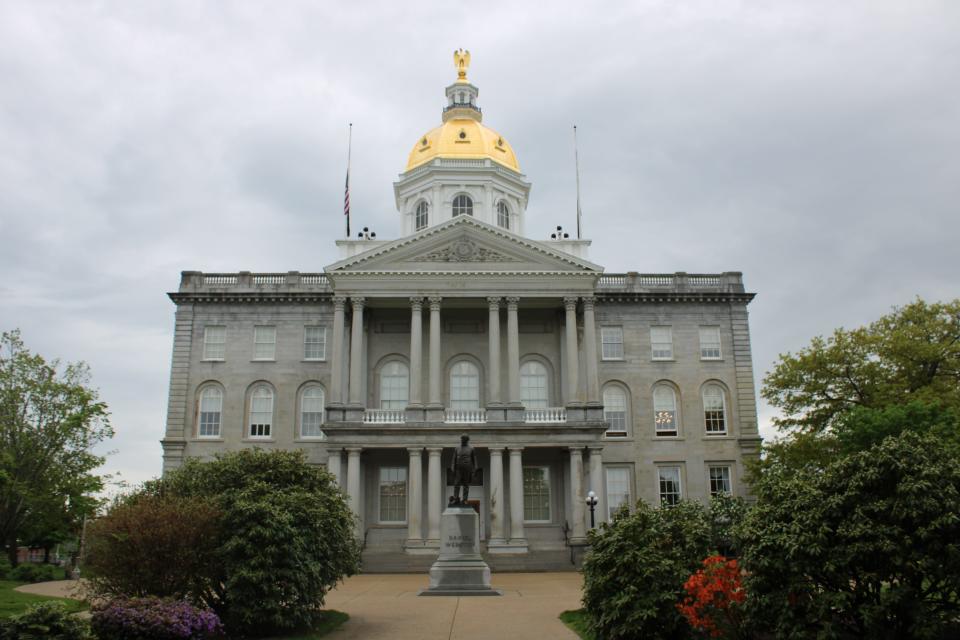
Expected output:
(812, 145)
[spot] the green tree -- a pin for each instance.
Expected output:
(284, 536)
(909, 355)
(50, 418)
(868, 547)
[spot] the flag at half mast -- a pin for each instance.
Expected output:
(346, 189)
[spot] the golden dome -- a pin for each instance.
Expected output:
(463, 138)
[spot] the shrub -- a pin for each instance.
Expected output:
(636, 569)
(47, 620)
(154, 619)
(284, 536)
(870, 547)
(155, 545)
(715, 597)
(29, 572)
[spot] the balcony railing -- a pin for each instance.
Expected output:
(384, 416)
(547, 414)
(465, 416)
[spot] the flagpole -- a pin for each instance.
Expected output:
(576, 160)
(346, 189)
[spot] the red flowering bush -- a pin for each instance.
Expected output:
(715, 595)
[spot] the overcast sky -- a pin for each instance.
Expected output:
(815, 146)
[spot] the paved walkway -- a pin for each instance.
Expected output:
(387, 606)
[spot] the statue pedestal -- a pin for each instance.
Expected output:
(460, 569)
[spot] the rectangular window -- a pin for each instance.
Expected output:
(661, 343)
(393, 494)
(618, 489)
(314, 343)
(611, 343)
(720, 481)
(536, 494)
(669, 484)
(264, 343)
(214, 342)
(709, 343)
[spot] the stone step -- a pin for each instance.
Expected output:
(535, 561)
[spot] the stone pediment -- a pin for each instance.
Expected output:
(464, 244)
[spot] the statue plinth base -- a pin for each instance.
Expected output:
(460, 569)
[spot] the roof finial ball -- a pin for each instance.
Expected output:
(461, 60)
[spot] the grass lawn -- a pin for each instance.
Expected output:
(13, 602)
(576, 620)
(331, 620)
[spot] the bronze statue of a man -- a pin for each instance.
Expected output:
(463, 465)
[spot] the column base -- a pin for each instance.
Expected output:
(504, 546)
(434, 413)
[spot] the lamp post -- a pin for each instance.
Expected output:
(592, 503)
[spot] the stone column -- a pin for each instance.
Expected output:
(597, 482)
(497, 533)
(513, 352)
(416, 350)
(493, 379)
(578, 529)
(333, 464)
(435, 398)
(572, 352)
(517, 536)
(356, 354)
(434, 495)
(590, 351)
(353, 486)
(336, 360)
(414, 498)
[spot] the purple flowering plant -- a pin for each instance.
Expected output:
(155, 619)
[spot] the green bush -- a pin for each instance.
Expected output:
(47, 621)
(284, 537)
(154, 545)
(870, 547)
(634, 573)
(30, 572)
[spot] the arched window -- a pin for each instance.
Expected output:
(394, 385)
(714, 410)
(503, 215)
(533, 385)
(261, 411)
(211, 410)
(615, 410)
(462, 206)
(464, 386)
(420, 221)
(311, 411)
(665, 410)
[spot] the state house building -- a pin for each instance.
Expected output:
(568, 379)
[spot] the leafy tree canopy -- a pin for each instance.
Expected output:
(50, 418)
(910, 355)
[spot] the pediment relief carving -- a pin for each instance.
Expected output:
(463, 250)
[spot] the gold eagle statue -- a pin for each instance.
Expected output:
(461, 59)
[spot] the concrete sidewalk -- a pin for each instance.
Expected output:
(387, 606)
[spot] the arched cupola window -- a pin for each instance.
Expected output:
(421, 216)
(503, 215)
(462, 206)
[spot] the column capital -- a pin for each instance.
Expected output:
(512, 301)
(339, 302)
(357, 302)
(435, 302)
(588, 302)
(494, 303)
(416, 303)
(570, 302)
